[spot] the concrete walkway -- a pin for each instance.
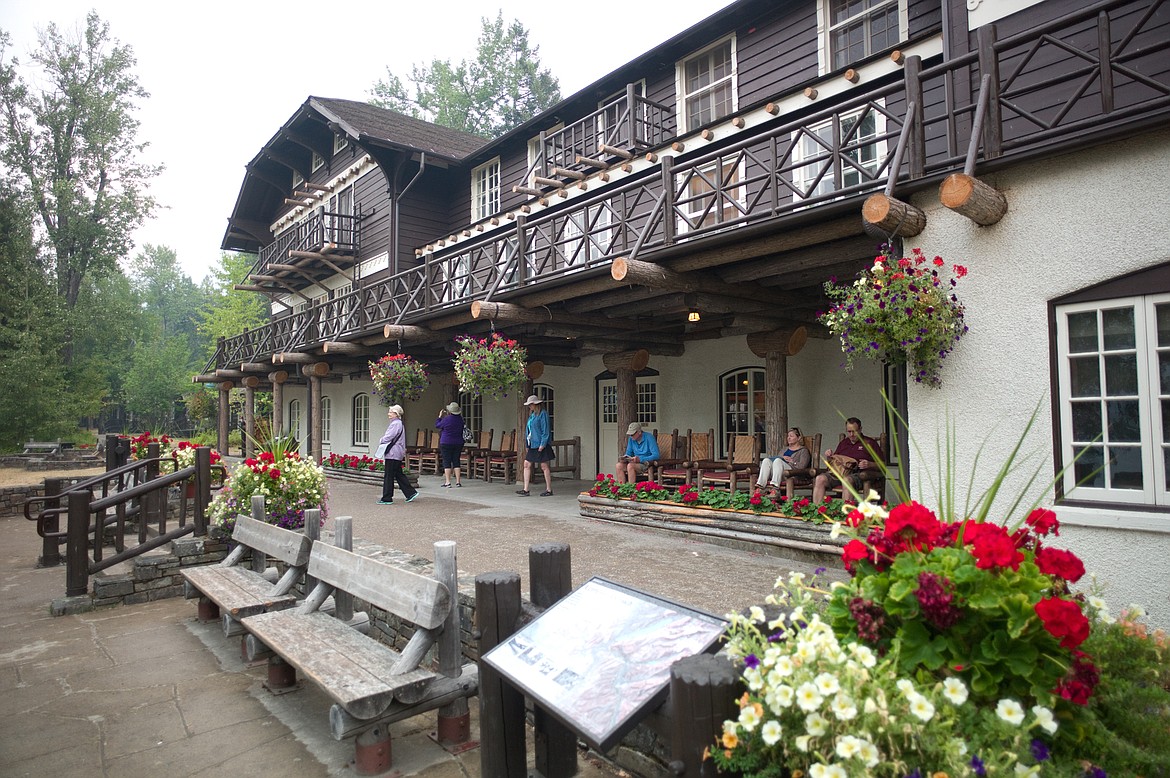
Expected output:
(146, 690)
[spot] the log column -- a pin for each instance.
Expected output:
(774, 348)
(278, 378)
(315, 372)
(625, 366)
(224, 414)
(250, 384)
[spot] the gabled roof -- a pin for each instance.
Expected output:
(363, 121)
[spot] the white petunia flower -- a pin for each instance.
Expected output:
(955, 691)
(808, 698)
(797, 614)
(771, 732)
(905, 686)
(749, 718)
(795, 578)
(802, 743)
(827, 684)
(870, 706)
(848, 746)
(754, 680)
(836, 531)
(780, 697)
(756, 613)
(1010, 711)
(1027, 770)
(864, 654)
(869, 753)
(818, 770)
(730, 727)
(815, 724)
(844, 708)
(921, 707)
(806, 651)
(785, 666)
(1044, 718)
(836, 771)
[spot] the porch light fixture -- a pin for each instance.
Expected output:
(693, 316)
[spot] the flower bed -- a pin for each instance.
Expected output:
(364, 469)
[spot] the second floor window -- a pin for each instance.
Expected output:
(339, 142)
(707, 85)
(318, 162)
(485, 190)
(861, 154)
(859, 28)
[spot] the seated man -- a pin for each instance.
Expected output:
(641, 453)
(852, 445)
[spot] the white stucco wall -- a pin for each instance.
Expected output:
(1073, 221)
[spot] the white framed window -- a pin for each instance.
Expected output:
(318, 162)
(535, 152)
(648, 402)
(340, 143)
(547, 396)
(706, 85)
(485, 190)
(298, 179)
(294, 420)
(611, 123)
(852, 30)
(862, 152)
(471, 406)
(741, 403)
(326, 420)
(361, 420)
(1113, 375)
(712, 195)
(586, 236)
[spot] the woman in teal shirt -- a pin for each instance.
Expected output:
(539, 439)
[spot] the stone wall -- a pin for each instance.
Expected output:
(13, 498)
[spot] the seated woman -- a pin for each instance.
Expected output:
(795, 456)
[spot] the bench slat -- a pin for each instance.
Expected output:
(352, 668)
(416, 598)
(288, 546)
(237, 590)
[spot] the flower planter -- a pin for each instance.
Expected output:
(363, 476)
(767, 533)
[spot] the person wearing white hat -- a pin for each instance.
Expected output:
(450, 426)
(392, 448)
(641, 453)
(538, 436)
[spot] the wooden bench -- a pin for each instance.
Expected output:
(568, 457)
(35, 447)
(370, 682)
(233, 591)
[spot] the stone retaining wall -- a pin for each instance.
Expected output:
(13, 498)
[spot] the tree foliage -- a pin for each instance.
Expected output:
(228, 312)
(499, 90)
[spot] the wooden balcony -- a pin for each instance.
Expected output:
(316, 248)
(772, 207)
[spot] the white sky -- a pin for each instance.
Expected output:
(224, 76)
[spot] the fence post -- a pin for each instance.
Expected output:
(51, 524)
(454, 719)
(702, 697)
(550, 578)
(521, 250)
(259, 558)
(631, 118)
(76, 557)
(501, 705)
(667, 164)
(312, 530)
(202, 488)
(117, 451)
(917, 142)
(342, 538)
(989, 66)
(153, 505)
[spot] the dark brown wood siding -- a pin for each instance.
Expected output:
(369, 199)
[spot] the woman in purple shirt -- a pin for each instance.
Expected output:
(450, 426)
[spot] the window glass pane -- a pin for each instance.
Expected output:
(1117, 324)
(1163, 315)
(1166, 465)
(1125, 467)
(1124, 421)
(1086, 419)
(1166, 423)
(1087, 469)
(1121, 375)
(1164, 372)
(1085, 377)
(1082, 332)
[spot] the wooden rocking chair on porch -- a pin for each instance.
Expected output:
(481, 445)
(742, 465)
(697, 448)
(501, 463)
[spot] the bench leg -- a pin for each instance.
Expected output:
(281, 675)
(453, 729)
(371, 754)
(207, 610)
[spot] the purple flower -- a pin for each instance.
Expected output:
(977, 766)
(1039, 750)
(753, 662)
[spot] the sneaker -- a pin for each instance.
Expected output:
(459, 485)
(444, 486)
(546, 493)
(387, 502)
(522, 492)
(412, 497)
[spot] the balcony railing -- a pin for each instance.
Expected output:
(1048, 86)
(340, 233)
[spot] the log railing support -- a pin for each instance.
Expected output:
(550, 577)
(278, 378)
(250, 384)
(962, 192)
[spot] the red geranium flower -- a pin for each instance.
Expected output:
(1042, 521)
(1063, 619)
(1060, 563)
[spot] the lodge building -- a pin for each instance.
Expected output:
(659, 242)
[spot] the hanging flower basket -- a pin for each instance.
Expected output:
(398, 378)
(901, 311)
(491, 366)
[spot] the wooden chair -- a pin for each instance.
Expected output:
(429, 461)
(479, 447)
(666, 444)
(742, 465)
(502, 462)
(803, 479)
(413, 453)
(699, 447)
(870, 479)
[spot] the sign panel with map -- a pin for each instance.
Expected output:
(600, 658)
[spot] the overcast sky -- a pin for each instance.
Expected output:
(223, 76)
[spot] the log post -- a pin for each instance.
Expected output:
(892, 217)
(625, 366)
(702, 697)
(454, 724)
(342, 538)
(259, 513)
(76, 558)
(966, 195)
(202, 488)
(314, 448)
(221, 436)
(501, 706)
(550, 577)
(51, 525)
(250, 384)
(775, 347)
(278, 378)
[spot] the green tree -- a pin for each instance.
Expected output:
(159, 370)
(69, 141)
(499, 90)
(168, 295)
(226, 311)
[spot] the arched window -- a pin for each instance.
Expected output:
(294, 419)
(361, 420)
(741, 404)
(326, 419)
(545, 393)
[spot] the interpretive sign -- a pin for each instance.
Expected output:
(600, 658)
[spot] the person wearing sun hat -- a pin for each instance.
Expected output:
(539, 439)
(641, 453)
(450, 426)
(392, 449)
